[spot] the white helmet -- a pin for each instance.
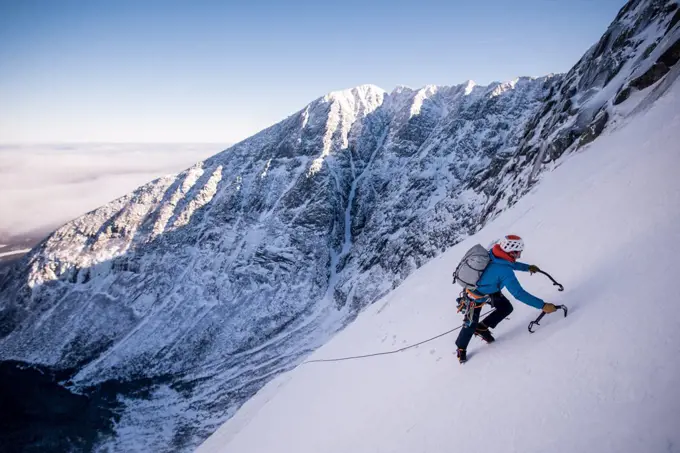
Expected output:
(512, 243)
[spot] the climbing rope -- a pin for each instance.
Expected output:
(340, 359)
(535, 322)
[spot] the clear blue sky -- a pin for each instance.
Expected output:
(219, 71)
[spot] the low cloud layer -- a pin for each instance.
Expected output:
(43, 186)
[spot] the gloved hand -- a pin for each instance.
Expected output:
(533, 269)
(549, 308)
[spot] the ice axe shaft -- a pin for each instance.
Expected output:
(536, 321)
(555, 283)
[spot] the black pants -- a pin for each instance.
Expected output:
(503, 308)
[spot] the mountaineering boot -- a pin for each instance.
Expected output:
(484, 332)
(462, 355)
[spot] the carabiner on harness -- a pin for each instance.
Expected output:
(468, 302)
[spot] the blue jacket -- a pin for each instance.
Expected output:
(500, 274)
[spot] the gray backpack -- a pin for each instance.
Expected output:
(471, 267)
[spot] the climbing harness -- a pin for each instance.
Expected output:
(468, 302)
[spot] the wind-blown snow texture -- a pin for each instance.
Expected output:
(214, 281)
(604, 379)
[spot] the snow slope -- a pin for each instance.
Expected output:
(605, 379)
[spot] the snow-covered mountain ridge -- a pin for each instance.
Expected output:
(207, 284)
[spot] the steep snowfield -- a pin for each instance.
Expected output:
(604, 223)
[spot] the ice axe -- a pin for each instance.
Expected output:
(563, 307)
(535, 321)
(555, 283)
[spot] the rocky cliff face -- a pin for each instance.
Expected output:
(637, 51)
(198, 288)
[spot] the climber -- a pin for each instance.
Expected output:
(498, 274)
